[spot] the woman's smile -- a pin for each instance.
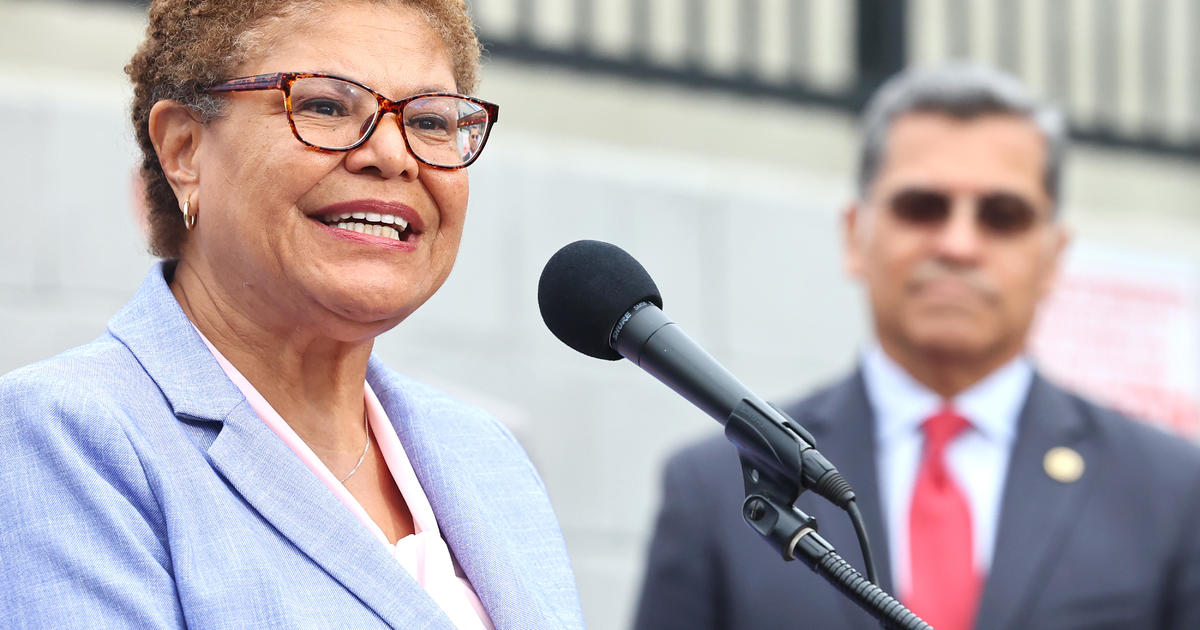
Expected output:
(372, 222)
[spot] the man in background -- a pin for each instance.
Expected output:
(994, 499)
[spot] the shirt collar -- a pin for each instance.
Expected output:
(901, 403)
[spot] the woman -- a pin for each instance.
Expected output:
(229, 454)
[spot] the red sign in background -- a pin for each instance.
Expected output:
(1123, 328)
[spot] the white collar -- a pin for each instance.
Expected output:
(901, 403)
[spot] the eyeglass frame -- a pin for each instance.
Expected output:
(283, 82)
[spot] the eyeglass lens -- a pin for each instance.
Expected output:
(998, 213)
(335, 114)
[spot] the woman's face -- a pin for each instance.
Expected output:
(262, 195)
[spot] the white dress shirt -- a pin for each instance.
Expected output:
(977, 458)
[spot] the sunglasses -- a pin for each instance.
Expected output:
(998, 213)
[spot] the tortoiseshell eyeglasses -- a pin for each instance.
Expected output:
(330, 113)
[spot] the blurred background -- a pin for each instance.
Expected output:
(716, 141)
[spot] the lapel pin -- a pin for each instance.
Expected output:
(1063, 464)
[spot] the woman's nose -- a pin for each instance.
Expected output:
(385, 153)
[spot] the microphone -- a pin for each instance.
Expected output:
(600, 301)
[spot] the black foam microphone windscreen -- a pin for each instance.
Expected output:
(586, 288)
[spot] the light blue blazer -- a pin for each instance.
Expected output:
(138, 489)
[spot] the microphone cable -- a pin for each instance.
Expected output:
(864, 542)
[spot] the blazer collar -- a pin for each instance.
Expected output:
(259, 466)
(160, 336)
(498, 572)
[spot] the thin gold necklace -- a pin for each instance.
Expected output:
(366, 447)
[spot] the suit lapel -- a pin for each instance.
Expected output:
(844, 427)
(1036, 512)
(263, 470)
(287, 494)
(480, 546)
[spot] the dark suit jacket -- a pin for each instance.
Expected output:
(1119, 548)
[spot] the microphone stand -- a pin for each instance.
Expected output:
(772, 465)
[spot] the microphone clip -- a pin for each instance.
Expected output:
(772, 453)
(782, 452)
(769, 510)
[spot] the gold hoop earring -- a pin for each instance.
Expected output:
(189, 219)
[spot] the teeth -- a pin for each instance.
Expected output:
(392, 226)
(374, 217)
(373, 230)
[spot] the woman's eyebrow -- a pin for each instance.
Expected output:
(432, 88)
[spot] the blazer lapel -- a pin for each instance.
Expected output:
(844, 427)
(494, 568)
(286, 493)
(262, 469)
(1037, 511)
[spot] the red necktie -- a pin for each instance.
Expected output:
(945, 586)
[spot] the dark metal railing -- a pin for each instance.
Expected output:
(695, 65)
(882, 37)
(878, 38)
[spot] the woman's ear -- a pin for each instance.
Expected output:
(176, 134)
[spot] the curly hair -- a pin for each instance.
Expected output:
(191, 44)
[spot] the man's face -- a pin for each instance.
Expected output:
(955, 241)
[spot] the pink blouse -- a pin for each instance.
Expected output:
(423, 553)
